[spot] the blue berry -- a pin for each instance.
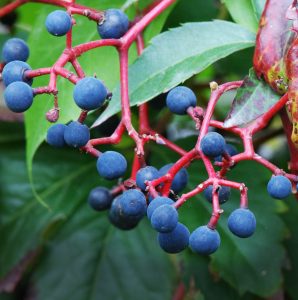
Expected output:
(111, 165)
(58, 23)
(224, 193)
(146, 174)
(155, 203)
(164, 218)
(15, 71)
(55, 135)
(230, 149)
(114, 25)
(213, 144)
(174, 241)
(18, 96)
(15, 49)
(179, 99)
(89, 93)
(242, 222)
(100, 198)
(279, 187)
(117, 218)
(76, 134)
(180, 180)
(133, 203)
(204, 240)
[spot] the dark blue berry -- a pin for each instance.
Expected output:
(155, 203)
(15, 49)
(242, 222)
(119, 220)
(55, 135)
(15, 71)
(180, 180)
(114, 25)
(224, 193)
(111, 165)
(179, 99)
(213, 144)
(174, 241)
(100, 198)
(164, 218)
(146, 174)
(18, 96)
(76, 134)
(133, 203)
(230, 149)
(204, 240)
(279, 187)
(58, 23)
(89, 93)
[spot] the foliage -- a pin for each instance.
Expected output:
(70, 252)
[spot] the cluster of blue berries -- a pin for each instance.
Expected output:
(89, 93)
(18, 94)
(129, 208)
(113, 25)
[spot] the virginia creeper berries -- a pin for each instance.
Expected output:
(179, 99)
(89, 93)
(133, 204)
(58, 23)
(164, 218)
(180, 179)
(242, 222)
(279, 187)
(55, 135)
(174, 241)
(213, 144)
(100, 198)
(114, 25)
(119, 220)
(204, 240)
(156, 202)
(224, 193)
(15, 71)
(146, 174)
(76, 134)
(18, 96)
(111, 165)
(15, 49)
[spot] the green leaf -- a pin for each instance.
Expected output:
(242, 11)
(175, 56)
(253, 98)
(258, 6)
(197, 267)
(106, 67)
(291, 273)
(104, 261)
(243, 263)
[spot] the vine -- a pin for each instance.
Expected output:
(276, 66)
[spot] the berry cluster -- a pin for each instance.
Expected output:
(147, 191)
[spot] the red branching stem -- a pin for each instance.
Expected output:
(145, 134)
(38, 72)
(69, 40)
(262, 121)
(11, 6)
(125, 104)
(216, 210)
(83, 116)
(115, 138)
(79, 70)
(132, 34)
